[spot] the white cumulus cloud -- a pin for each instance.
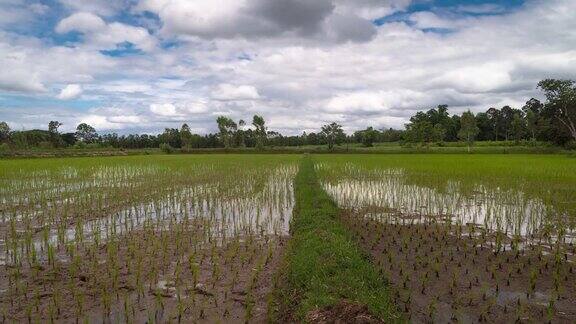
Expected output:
(231, 92)
(71, 91)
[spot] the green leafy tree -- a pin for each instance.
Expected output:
(536, 122)
(438, 133)
(171, 137)
(424, 132)
(227, 127)
(369, 136)
(485, 126)
(260, 131)
(4, 132)
(53, 126)
(186, 136)
(241, 133)
(86, 133)
(518, 127)
(468, 128)
(532, 124)
(54, 135)
(391, 135)
(507, 115)
(495, 117)
(561, 96)
(333, 133)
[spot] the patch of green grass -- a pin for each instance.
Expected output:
(323, 265)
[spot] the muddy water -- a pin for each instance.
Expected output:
(264, 211)
(393, 199)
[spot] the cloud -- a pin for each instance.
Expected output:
(245, 57)
(109, 123)
(167, 110)
(371, 9)
(106, 36)
(20, 80)
(230, 92)
(250, 19)
(99, 7)
(427, 19)
(71, 91)
(83, 22)
(486, 8)
(39, 9)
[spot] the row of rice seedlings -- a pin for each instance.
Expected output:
(169, 258)
(496, 255)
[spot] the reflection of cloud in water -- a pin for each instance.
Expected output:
(507, 211)
(262, 210)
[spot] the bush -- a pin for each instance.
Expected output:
(166, 148)
(80, 145)
(4, 147)
(45, 145)
(571, 145)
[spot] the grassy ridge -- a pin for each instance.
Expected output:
(323, 265)
(378, 148)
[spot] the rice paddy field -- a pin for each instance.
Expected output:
(208, 238)
(142, 239)
(487, 238)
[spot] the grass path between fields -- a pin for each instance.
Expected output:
(323, 265)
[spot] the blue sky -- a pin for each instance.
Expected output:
(143, 65)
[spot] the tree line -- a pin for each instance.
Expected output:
(551, 121)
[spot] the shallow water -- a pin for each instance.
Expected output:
(387, 195)
(255, 209)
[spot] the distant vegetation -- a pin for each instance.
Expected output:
(553, 121)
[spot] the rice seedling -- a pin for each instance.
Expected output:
(489, 236)
(133, 239)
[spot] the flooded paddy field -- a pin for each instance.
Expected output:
(465, 238)
(142, 239)
(206, 238)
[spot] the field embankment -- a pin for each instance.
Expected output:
(378, 148)
(326, 277)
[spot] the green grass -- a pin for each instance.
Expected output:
(323, 265)
(484, 147)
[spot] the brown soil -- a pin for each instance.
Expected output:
(442, 277)
(232, 285)
(343, 312)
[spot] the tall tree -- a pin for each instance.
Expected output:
(260, 131)
(507, 117)
(468, 128)
(171, 136)
(518, 127)
(53, 130)
(227, 127)
(86, 133)
(241, 133)
(4, 132)
(368, 136)
(185, 136)
(424, 132)
(495, 117)
(333, 133)
(535, 121)
(53, 126)
(532, 124)
(485, 126)
(561, 96)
